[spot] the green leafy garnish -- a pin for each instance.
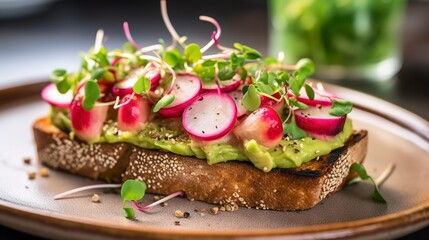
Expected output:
(132, 190)
(173, 58)
(340, 107)
(163, 102)
(248, 52)
(92, 92)
(310, 92)
(192, 53)
(251, 100)
(142, 85)
(98, 73)
(361, 171)
(305, 66)
(292, 130)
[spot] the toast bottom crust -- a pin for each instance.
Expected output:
(231, 184)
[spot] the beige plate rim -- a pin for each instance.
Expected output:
(13, 215)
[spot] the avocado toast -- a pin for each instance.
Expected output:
(231, 128)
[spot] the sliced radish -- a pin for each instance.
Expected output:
(268, 102)
(317, 121)
(125, 86)
(134, 115)
(87, 125)
(186, 89)
(263, 125)
(51, 95)
(210, 117)
(224, 86)
(237, 96)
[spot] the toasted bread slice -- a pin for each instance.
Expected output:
(232, 183)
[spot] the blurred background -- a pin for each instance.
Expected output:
(37, 36)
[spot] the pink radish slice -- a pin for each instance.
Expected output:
(225, 86)
(263, 125)
(210, 117)
(125, 86)
(268, 102)
(134, 115)
(237, 96)
(51, 95)
(317, 121)
(87, 125)
(186, 89)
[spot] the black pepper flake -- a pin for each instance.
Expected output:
(296, 150)
(203, 132)
(201, 99)
(217, 114)
(195, 117)
(216, 126)
(186, 214)
(313, 138)
(177, 223)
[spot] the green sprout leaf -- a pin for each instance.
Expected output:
(310, 92)
(293, 84)
(163, 102)
(173, 57)
(226, 72)
(63, 86)
(142, 85)
(98, 73)
(292, 130)
(248, 52)
(132, 190)
(340, 107)
(92, 92)
(129, 48)
(283, 77)
(299, 104)
(192, 53)
(58, 73)
(361, 171)
(206, 72)
(251, 100)
(305, 66)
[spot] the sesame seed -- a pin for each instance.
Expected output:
(31, 175)
(95, 198)
(27, 160)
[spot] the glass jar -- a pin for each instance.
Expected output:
(347, 39)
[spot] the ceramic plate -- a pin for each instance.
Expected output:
(395, 136)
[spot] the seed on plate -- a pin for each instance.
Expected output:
(27, 160)
(95, 198)
(214, 210)
(178, 213)
(31, 175)
(177, 223)
(44, 172)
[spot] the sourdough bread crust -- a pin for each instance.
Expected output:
(233, 183)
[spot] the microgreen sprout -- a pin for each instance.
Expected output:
(164, 199)
(363, 175)
(128, 36)
(134, 190)
(85, 188)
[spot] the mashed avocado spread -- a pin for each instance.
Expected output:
(167, 136)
